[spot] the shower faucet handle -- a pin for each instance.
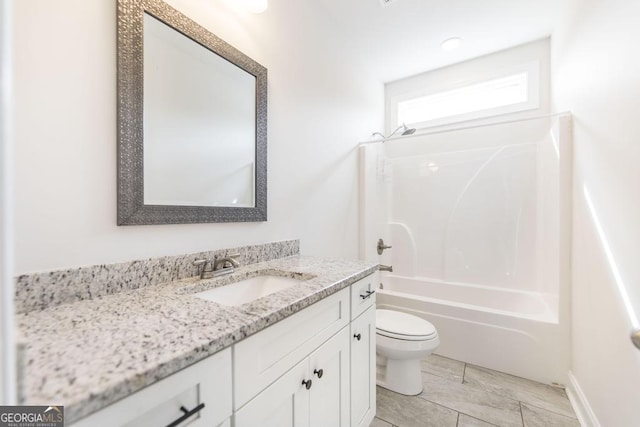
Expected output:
(381, 246)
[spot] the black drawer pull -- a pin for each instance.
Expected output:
(369, 293)
(318, 372)
(187, 414)
(357, 336)
(307, 384)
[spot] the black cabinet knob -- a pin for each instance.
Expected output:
(307, 384)
(318, 372)
(357, 336)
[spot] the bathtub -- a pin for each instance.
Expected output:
(511, 331)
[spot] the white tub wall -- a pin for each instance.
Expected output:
(422, 214)
(547, 211)
(372, 201)
(596, 69)
(554, 189)
(535, 350)
(520, 347)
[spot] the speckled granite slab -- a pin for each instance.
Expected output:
(43, 290)
(90, 353)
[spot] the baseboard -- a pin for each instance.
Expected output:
(580, 404)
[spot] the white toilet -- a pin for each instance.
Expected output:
(402, 340)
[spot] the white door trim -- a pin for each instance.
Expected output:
(7, 338)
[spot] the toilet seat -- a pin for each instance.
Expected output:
(403, 326)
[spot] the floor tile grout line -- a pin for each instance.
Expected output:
(518, 387)
(459, 412)
(533, 383)
(380, 418)
(479, 419)
(549, 410)
(475, 386)
(506, 396)
(437, 404)
(440, 376)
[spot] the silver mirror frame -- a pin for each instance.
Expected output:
(131, 207)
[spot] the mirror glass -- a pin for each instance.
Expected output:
(192, 122)
(199, 123)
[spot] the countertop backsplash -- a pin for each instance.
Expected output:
(40, 291)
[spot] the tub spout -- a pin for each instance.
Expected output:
(388, 268)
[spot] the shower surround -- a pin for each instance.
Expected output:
(479, 223)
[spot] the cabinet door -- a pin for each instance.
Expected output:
(285, 403)
(363, 368)
(262, 358)
(329, 369)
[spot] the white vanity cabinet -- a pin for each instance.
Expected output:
(315, 368)
(296, 372)
(363, 351)
(329, 348)
(202, 390)
(314, 393)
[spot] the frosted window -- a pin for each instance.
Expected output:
(488, 95)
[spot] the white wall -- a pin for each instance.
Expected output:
(595, 69)
(7, 343)
(321, 102)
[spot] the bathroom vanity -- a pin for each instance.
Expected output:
(314, 368)
(302, 356)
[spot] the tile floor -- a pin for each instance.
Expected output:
(457, 394)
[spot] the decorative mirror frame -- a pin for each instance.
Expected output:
(131, 207)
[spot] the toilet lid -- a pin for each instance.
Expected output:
(395, 324)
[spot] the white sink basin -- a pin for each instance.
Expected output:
(247, 290)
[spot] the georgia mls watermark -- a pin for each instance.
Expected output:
(31, 416)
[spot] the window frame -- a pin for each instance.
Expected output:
(531, 68)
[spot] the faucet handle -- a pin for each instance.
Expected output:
(207, 267)
(381, 246)
(226, 261)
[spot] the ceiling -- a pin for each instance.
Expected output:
(403, 38)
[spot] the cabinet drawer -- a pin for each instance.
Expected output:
(363, 294)
(208, 382)
(262, 358)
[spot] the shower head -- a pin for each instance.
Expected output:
(405, 131)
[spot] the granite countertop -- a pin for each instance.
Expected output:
(87, 354)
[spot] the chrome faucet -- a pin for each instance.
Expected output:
(388, 268)
(225, 265)
(207, 268)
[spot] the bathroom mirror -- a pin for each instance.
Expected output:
(192, 122)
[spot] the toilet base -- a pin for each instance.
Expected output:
(400, 376)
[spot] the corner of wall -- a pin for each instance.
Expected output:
(580, 404)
